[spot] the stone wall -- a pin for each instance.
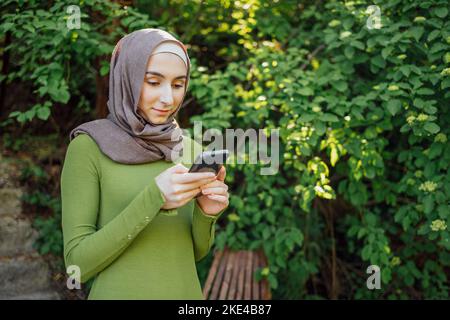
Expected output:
(24, 274)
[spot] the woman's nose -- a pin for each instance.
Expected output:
(166, 96)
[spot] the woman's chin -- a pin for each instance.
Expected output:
(154, 117)
(158, 119)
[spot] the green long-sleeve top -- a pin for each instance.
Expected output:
(115, 230)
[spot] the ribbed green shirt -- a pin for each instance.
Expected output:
(115, 230)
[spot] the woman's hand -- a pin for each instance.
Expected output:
(215, 195)
(179, 186)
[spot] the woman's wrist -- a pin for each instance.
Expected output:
(203, 211)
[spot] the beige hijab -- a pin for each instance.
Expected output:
(125, 136)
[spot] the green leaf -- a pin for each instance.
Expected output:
(430, 109)
(320, 127)
(29, 28)
(428, 205)
(370, 219)
(406, 70)
(201, 92)
(61, 95)
(394, 106)
(443, 211)
(435, 150)
(14, 114)
(273, 281)
(370, 172)
(361, 233)
(409, 280)
(431, 127)
(441, 12)
(445, 83)
(417, 32)
(386, 275)
(340, 85)
(306, 118)
(43, 113)
(366, 253)
(104, 70)
(305, 91)
(6, 26)
(349, 52)
(437, 47)
(334, 156)
(386, 52)
(419, 103)
(22, 118)
(328, 117)
(425, 92)
(379, 62)
(433, 35)
(357, 44)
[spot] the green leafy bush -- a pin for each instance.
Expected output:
(364, 125)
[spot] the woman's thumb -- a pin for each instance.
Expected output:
(179, 168)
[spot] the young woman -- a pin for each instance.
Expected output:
(130, 215)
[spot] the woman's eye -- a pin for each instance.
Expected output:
(154, 84)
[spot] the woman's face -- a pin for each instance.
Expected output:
(163, 87)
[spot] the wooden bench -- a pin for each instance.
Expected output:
(231, 276)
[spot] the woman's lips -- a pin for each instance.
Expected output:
(161, 111)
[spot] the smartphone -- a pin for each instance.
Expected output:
(210, 161)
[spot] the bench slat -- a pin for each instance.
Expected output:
(212, 273)
(227, 278)
(255, 284)
(219, 277)
(240, 285)
(248, 276)
(232, 276)
(265, 292)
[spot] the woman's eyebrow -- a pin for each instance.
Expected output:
(162, 76)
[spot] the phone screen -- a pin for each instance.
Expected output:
(210, 161)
